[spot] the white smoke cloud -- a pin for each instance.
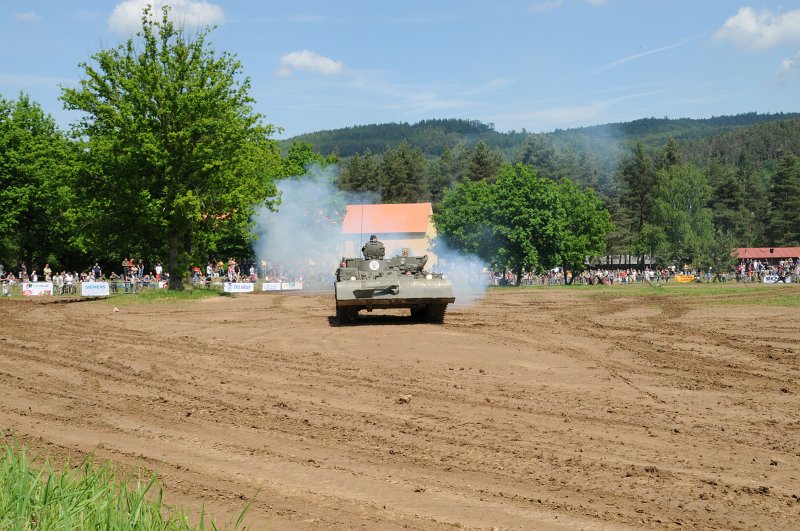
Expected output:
(468, 273)
(303, 237)
(308, 61)
(127, 16)
(760, 30)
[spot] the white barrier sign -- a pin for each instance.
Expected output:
(162, 284)
(771, 279)
(291, 285)
(95, 289)
(238, 287)
(34, 289)
(271, 286)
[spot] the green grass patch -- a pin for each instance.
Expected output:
(165, 296)
(85, 497)
(783, 295)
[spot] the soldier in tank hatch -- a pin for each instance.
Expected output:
(373, 249)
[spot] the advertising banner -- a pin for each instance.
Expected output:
(291, 285)
(271, 286)
(162, 284)
(771, 279)
(34, 289)
(238, 287)
(95, 289)
(684, 278)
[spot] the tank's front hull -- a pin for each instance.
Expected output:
(369, 294)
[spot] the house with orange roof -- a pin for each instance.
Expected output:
(767, 253)
(406, 226)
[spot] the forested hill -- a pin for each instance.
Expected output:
(744, 169)
(433, 136)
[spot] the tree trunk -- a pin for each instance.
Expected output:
(175, 269)
(519, 276)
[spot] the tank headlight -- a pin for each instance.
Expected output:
(352, 278)
(429, 276)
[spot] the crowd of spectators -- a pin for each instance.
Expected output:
(134, 277)
(785, 270)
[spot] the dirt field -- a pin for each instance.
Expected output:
(534, 409)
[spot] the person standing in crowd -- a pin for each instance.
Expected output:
(209, 270)
(48, 273)
(126, 268)
(96, 271)
(231, 269)
(140, 268)
(69, 283)
(114, 278)
(159, 270)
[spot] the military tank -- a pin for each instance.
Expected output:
(399, 282)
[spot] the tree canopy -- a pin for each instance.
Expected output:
(176, 158)
(37, 163)
(523, 222)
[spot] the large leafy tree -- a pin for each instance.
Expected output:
(37, 163)
(527, 217)
(681, 229)
(584, 229)
(178, 158)
(464, 219)
(523, 222)
(300, 157)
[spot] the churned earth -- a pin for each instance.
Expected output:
(538, 408)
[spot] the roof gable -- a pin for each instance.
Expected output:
(383, 219)
(767, 252)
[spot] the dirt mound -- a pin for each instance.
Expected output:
(535, 409)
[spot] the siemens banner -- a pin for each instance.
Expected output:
(95, 289)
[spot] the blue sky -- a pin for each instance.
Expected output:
(536, 65)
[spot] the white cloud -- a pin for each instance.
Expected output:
(790, 65)
(127, 15)
(541, 7)
(628, 59)
(597, 2)
(27, 16)
(491, 86)
(308, 61)
(760, 30)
